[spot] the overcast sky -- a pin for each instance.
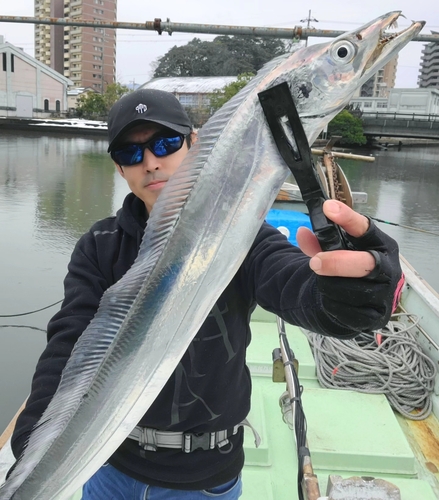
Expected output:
(136, 50)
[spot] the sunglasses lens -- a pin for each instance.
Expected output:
(164, 146)
(159, 146)
(129, 155)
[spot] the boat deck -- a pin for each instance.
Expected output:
(349, 433)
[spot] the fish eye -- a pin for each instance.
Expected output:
(343, 51)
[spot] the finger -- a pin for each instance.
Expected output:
(343, 263)
(307, 242)
(352, 222)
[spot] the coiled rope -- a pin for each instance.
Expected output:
(389, 361)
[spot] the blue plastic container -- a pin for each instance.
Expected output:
(288, 222)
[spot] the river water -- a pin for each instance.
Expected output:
(53, 188)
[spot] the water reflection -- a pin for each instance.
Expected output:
(72, 179)
(403, 188)
(51, 190)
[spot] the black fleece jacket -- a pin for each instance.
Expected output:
(210, 389)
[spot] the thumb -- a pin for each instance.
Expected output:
(352, 222)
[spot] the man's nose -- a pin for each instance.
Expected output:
(150, 161)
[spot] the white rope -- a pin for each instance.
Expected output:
(389, 361)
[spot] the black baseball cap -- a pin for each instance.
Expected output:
(146, 105)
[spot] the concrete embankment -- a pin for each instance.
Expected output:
(380, 144)
(62, 126)
(85, 128)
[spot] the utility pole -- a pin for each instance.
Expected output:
(102, 60)
(308, 21)
(105, 39)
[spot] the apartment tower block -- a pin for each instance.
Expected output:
(429, 72)
(381, 82)
(85, 55)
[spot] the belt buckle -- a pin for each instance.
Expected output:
(204, 441)
(144, 442)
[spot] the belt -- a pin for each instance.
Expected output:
(151, 439)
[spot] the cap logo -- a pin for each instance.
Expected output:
(141, 108)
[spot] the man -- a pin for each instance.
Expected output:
(208, 396)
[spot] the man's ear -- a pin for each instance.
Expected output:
(194, 137)
(119, 169)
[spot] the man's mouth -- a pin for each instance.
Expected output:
(154, 185)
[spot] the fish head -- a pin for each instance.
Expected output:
(325, 76)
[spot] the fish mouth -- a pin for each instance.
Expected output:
(386, 42)
(369, 48)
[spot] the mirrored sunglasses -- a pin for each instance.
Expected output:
(132, 154)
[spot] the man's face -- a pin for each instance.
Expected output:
(147, 179)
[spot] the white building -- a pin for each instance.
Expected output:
(194, 93)
(421, 101)
(370, 104)
(73, 94)
(191, 91)
(424, 101)
(29, 88)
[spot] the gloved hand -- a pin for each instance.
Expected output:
(359, 288)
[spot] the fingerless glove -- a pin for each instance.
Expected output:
(366, 304)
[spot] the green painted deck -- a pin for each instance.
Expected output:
(349, 433)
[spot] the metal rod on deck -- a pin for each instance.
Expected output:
(214, 29)
(310, 483)
(346, 156)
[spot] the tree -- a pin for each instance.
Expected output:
(250, 53)
(113, 93)
(197, 58)
(220, 97)
(224, 56)
(92, 105)
(349, 127)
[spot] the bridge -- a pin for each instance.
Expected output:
(401, 125)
